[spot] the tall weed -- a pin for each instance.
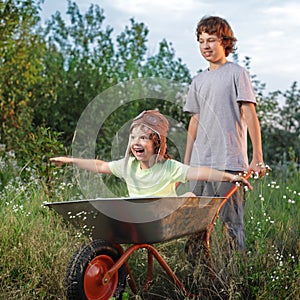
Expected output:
(36, 245)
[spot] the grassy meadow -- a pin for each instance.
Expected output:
(36, 245)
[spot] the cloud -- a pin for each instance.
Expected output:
(155, 7)
(287, 13)
(266, 30)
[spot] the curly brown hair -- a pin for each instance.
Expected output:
(219, 27)
(156, 142)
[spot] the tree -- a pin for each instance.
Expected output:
(289, 121)
(82, 60)
(79, 64)
(50, 75)
(21, 53)
(290, 112)
(280, 124)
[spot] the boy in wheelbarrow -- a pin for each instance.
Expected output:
(147, 168)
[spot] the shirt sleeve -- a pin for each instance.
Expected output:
(191, 104)
(117, 167)
(245, 91)
(178, 171)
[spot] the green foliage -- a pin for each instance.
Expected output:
(35, 245)
(21, 52)
(8, 167)
(79, 65)
(279, 116)
(34, 151)
(33, 262)
(48, 77)
(51, 74)
(281, 131)
(131, 45)
(89, 62)
(165, 65)
(273, 223)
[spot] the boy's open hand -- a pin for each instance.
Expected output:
(61, 160)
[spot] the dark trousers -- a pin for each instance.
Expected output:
(232, 213)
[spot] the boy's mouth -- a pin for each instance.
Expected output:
(207, 53)
(138, 150)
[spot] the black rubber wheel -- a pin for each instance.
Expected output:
(100, 255)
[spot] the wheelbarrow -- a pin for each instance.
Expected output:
(98, 270)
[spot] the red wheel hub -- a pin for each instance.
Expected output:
(93, 287)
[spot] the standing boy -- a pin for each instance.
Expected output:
(222, 103)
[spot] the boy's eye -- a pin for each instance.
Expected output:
(142, 137)
(212, 40)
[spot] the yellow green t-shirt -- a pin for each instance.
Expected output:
(157, 181)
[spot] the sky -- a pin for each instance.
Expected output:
(266, 31)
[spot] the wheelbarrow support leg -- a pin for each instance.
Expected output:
(151, 252)
(150, 271)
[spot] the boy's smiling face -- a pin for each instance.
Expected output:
(142, 146)
(211, 48)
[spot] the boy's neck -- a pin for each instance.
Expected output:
(148, 164)
(217, 65)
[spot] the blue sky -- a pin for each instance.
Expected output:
(267, 31)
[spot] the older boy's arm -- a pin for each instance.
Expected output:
(93, 165)
(191, 136)
(257, 163)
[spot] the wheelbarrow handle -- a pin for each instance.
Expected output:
(231, 191)
(237, 185)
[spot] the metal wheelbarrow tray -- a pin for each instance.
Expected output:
(150, 220)
(98, 270)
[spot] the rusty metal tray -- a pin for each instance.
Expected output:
(139, 220)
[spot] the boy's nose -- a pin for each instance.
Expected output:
(135, 140)
(205, 44)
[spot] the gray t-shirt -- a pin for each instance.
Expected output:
(216, 95)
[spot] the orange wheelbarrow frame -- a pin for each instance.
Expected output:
(106, 276)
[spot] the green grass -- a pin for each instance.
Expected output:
(36, 245)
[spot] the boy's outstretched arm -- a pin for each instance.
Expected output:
(209, 174)
(93, 165)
